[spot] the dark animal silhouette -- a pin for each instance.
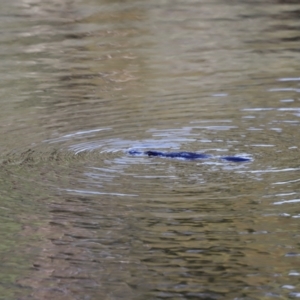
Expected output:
(187, 155)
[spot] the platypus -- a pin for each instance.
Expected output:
(187, 155)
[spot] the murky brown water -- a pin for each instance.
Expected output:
(82, 82)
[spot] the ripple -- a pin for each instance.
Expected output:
(294, 273)
(273, 171)
(289, 79)
(284, 90)
(287, 100)
(295, 294)
(287, 202)
(88, 192)
(78, 134)
(289, 181)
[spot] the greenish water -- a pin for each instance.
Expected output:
(83, 82)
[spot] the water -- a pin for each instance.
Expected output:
(82, 83)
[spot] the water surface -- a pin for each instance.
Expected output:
(82, 83)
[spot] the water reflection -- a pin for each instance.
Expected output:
(84, 82)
